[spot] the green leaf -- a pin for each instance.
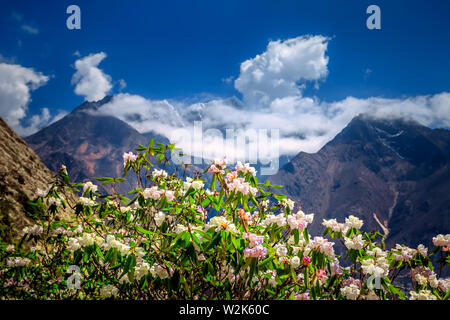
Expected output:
(306, 235)
(214, 241)
(447, 296)
(99, 252)
(265, 261)
(253, 266)
(140, 229)
(296, 236)
(130, 262)
(213, 182)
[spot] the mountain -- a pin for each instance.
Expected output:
(396, 169)
(21, 174)
(90, 145)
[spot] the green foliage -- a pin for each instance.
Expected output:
(173, 238)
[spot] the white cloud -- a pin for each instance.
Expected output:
(122, 84)
(276, 72)
(305, 124)
(143, 114)
(228, 80)
(273, 100)
(39, 121)
(16, 85)
(90, 81)
(29, 29)
(9, 60)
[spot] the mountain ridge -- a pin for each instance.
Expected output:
(92, 145)
(386, 167)
(21, 174)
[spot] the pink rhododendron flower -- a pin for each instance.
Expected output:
(129, 157)
(306, 261)
(254, 239)
(257, 252)
(321, 275)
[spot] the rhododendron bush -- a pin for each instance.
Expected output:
(182, 238)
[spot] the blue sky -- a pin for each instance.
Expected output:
(183, 50)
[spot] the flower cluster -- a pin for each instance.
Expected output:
(218, 166)
(256, 252)
(129, 157)
(245, 168)
(197, 238)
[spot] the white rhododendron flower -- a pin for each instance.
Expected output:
(159, 173)
(334, 225)
(170, 195)
(356, 243)
(112, 242)
(287, 203)
(295, 261)
(152, 193)
(405, 254)
(444, 284)
(89, 186)
(73, 244)
(351, 292)
(141, 270)
(281, 250)
(86, 201)
(441, 240)
(218, 223)
(353, 222)
(55, 201)
(378, 267)
(108, 291)
(220, 162)
(18, 262)
(422, 295)
(323, 245)
(297, 221)
(129, 157)
(34, 230)
(245, 168)
(240, 185)
(197, 184)
(40, 193)
(159, 218)
(179, 228)
(422, 250)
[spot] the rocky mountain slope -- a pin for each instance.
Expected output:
(396, 169)
(21, 174)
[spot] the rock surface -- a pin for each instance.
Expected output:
(21, 174)
(396, 169)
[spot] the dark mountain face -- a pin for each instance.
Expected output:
(21, 174)
(397, 169)
(91, 146)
